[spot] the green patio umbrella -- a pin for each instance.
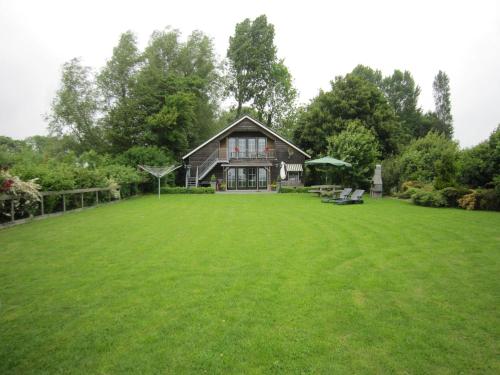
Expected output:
(328, 160)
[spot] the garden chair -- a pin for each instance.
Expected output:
(353, 199)
(344, 194)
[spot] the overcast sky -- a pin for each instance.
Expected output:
(318, 40)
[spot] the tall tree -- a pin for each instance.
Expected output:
(369, 74)
(350, 98)
(117, 77)
(174, 91)
(116, 82)
(251, 56)
(197, 59)
(276, 102)
(75, 108)
(442, 100)
(358, 146)
(402, 93)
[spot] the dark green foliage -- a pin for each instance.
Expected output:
(488, 199)
(356, 145)
(256, 75)
(175, 92)
(402, 93)
(428, 198)
(183, 190)
(480, 164)
(452, 195)
(408, 193)
(293, 189)
(496, 184)
(369, 74)
(390, 175)
(165, 96)
(75, 107)
(251, 55)
(432, 159)
(415, 184)
(144, 155)
(57, 170)
(350, 98)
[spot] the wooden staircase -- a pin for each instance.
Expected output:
(204, 168)
(191, 182)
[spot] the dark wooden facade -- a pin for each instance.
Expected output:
(215, 157)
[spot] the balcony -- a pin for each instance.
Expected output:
(269, 154)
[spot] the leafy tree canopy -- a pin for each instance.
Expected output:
(75, 109)
(442, 101)
(257, 76)
(480, 165)
(431, 159)
(350, 98)
(358, 146)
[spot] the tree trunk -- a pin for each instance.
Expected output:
(238, 111)
(269, 120)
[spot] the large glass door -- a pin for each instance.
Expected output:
(231, 178)
(252, 178)
(262, 178)
(242, 178)
(246, 178)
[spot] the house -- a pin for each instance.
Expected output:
(245, 155)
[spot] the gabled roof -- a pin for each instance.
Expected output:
(246, 117)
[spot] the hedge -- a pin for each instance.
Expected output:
(183, 190)
(428, 199)
(295, 189)
(452, 195)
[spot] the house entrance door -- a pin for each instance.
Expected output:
(246, 178)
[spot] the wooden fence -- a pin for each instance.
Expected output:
(112, 193)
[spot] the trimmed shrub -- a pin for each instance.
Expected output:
(201, 190)
(452, 195)
(428, 199)
(431, 159)
(407, 193)
(294, 189)
(488, 200)
(412, 185)
(183, 190)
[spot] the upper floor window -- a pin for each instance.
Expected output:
(247, 147)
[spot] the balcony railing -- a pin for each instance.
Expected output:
(269, 154)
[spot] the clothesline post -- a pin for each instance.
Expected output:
(159, 172)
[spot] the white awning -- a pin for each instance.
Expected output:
(294, 168)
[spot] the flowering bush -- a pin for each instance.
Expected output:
(114, 186)
(13, 185)
(26, 193)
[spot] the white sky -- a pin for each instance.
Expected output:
(318, 39)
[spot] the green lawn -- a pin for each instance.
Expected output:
(252, 284)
